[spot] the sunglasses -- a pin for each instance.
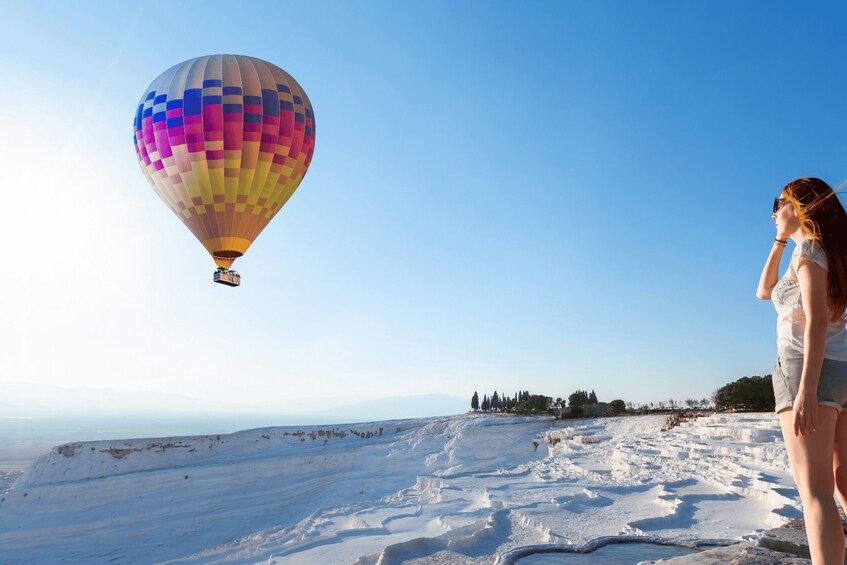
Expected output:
(778, 203)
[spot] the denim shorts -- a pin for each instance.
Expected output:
(832, 386)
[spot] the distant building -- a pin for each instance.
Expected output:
(596, 410)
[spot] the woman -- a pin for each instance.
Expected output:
(810, 376)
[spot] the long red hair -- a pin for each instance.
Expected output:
(822, 217)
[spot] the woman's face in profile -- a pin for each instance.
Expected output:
(785, 218)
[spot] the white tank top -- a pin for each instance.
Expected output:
(790, 316)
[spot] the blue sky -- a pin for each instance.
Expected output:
(548, 196)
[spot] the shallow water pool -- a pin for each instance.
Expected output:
(616, 553)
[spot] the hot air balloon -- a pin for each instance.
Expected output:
(224, 140)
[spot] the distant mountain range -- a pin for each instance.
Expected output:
(398, 407)
(19, 399)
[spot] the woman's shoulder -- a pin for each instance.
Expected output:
(811, 250)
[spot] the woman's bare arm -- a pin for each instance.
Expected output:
(813, 291)
(770, 274)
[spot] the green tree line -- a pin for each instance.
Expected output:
(525, 403)
(747, 394)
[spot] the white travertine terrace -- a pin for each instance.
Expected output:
(466, 489)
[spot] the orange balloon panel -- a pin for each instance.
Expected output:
(225, 140)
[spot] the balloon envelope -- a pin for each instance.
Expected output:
(224, 140)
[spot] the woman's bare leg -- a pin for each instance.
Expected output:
(839, 460)
(811, 458)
